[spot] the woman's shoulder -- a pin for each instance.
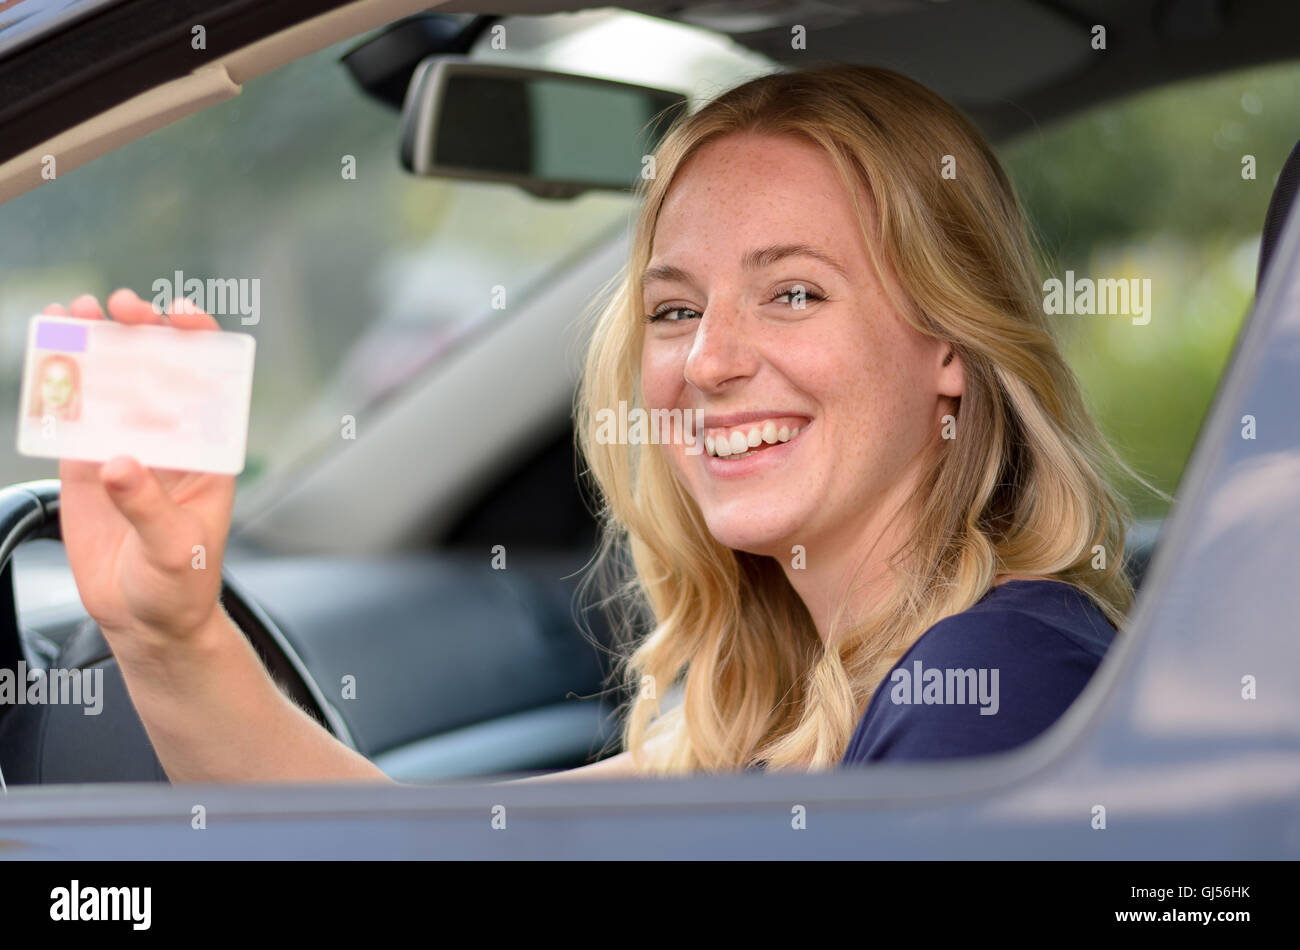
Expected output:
(1017, 614)
(987, 679)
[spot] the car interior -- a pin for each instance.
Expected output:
(365, 576)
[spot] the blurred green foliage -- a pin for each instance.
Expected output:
(1153, 187)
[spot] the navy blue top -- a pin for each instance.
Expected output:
(1023, 653)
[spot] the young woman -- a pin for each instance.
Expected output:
(898, 544)
(57, 393)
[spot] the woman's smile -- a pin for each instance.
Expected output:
(740, 450)
(737, 434)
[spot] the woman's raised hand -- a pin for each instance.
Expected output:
(145, 545)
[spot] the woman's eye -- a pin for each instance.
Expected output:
(797, 296)
(673, 314)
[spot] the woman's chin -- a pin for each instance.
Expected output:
(745, 534)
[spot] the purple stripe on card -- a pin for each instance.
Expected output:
(68, 337)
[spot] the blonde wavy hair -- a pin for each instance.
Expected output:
(1020, 491)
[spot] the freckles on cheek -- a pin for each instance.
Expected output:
(860, 392)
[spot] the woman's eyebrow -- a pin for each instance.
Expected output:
(753, 260)
(666, 272)
(767, 256)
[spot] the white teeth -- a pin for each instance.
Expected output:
(739, 444)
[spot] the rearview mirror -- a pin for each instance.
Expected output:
(554, 134)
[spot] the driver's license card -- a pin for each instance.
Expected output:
(171, 398)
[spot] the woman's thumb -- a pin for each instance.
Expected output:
(137, 493)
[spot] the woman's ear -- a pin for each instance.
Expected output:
(951, 375)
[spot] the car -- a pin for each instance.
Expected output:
(416, 588)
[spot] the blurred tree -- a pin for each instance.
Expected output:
(1153, 188)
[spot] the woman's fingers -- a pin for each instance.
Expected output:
(125, 307)
(186, 314)
(86, 307)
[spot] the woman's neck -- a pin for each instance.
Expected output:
(848, 566)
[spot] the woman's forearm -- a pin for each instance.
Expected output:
(214, 714)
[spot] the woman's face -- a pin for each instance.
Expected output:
(860, 394)
(56, 385)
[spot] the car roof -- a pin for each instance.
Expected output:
(1008, 63)
(1012, 63)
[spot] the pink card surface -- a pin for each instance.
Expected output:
(171, 398)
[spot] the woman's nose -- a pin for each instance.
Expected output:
(723, 348)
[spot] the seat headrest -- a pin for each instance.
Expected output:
(1278, 206)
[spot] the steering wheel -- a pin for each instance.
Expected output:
(49, 743)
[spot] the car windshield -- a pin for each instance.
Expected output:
(354, 276)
